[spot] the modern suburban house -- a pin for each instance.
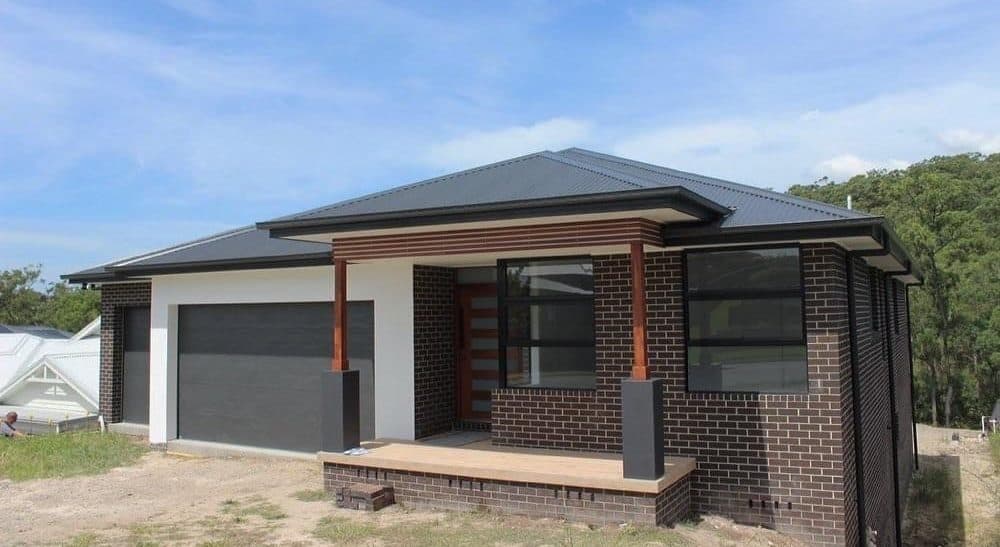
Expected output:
(638, 342)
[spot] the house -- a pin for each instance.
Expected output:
(638, 341)
(49, 377)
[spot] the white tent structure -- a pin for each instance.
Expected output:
(51, 381)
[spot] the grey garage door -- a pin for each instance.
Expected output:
(250, 374)
(135, 384)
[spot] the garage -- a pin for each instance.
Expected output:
(249, 374)
(135, 358)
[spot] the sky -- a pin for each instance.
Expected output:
(128, 126)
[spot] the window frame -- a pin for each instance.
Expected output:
(503, 300)
(747, 295)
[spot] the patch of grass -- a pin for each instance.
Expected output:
(476, 529)
(311, 495)
(88, 539)
(66, 455)
(935, 507)
(343, 530)
(253, 506)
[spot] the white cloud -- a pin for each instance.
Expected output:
(846, 166)
(965, 140)
(479, 147)
(780, 149)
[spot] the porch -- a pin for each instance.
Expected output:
(465, 471)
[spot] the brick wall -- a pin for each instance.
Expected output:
(901, 365)
(115, 298)
(752, 450)
(883, 364)
(536, 500)
(433, 349)
(579, 419)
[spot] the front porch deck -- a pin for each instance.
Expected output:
(535, 482)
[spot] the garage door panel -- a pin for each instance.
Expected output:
(250, 373)
(135, 377)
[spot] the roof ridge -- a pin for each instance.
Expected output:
(601, 170)
(412, 185)
(181, 246)
(796, 201)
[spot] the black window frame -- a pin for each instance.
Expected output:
(503, 299)
(743, 294)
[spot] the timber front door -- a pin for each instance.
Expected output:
(476, 341)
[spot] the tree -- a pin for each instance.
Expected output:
(19, 301)
(60, 306)
(947, 212)
(68, 308)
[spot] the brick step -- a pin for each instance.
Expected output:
(365, 497)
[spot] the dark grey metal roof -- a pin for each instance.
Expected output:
(751, 205)
(569, 173)
(245, 247)
(569, 181)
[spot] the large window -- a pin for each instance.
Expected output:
(745, 321)
(547, 323)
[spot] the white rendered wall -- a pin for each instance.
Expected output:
(388, 284)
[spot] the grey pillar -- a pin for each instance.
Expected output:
(642, 429)
(341, 420)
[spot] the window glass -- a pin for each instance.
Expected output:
(551, 366)
(771, 369)
(548, 314)
(744, 269)
(560, 321)
(556, 277)
(746, 320)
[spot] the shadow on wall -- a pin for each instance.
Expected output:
(934, 513)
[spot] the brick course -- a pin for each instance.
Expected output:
(536, 500)
(115, 297)
(433, 349)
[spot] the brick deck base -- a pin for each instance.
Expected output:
(533, 500)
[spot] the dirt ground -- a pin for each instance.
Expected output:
(176, 500)
(974, 488)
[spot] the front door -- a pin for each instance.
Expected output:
(477, 349)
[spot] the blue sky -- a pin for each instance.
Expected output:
(126, 126)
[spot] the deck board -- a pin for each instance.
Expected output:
(482, 460)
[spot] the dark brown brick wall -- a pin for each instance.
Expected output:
(535, 500)
(750, 448)
(433, 349)
(579, 419)
(901, 365)
(884, 374)
(114, 299)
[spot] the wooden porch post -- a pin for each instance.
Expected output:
(640, 364)
(339, 315)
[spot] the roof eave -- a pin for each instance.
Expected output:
(873, 227)
(674, 197)
(255, 263)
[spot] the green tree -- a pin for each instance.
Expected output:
(19, 300)
(69, 308)
(947, 212)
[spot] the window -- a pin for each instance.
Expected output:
(745, 322)
(873, 299)
(547, 323)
